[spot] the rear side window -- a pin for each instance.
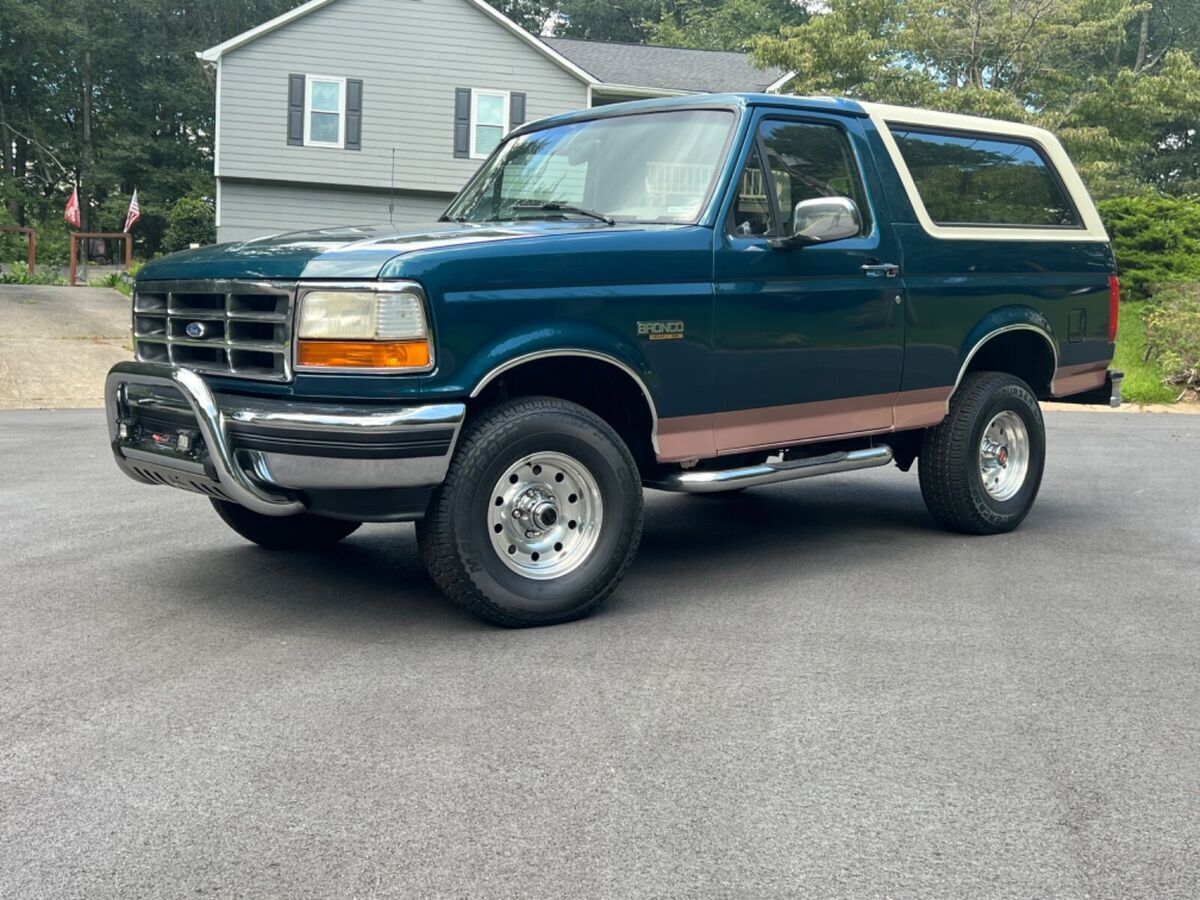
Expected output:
(976, 179)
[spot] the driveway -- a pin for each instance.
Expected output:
(58, 343)
(802, 690)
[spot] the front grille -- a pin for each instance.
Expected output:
(239, 328)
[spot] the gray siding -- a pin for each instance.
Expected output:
(411, 55)
(253, 209)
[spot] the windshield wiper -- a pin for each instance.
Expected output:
(551, 206)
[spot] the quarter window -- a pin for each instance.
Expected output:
(489, 121)
(324, 111)
(751, 213)
(977, 179)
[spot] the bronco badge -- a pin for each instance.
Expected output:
(661, 330)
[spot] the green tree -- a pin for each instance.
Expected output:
(1125, 106)
(631, 21)
(191, 222)
(724, 24)
(108, 94)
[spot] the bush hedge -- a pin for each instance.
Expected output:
(1173, 333)
(1156, 240)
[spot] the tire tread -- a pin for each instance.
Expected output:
(483, 439)
(948, 454)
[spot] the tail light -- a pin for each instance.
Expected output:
(1114, 306)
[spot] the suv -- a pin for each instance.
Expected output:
(697, 294)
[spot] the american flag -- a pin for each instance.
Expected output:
(135, 212)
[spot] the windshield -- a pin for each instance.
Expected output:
(651, 167)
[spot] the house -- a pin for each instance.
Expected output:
(368, 111)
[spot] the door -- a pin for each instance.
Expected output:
(809, 339)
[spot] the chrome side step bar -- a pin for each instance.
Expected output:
(701, 482)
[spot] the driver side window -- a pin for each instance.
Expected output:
(804, 160)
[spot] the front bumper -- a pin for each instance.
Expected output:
(277, 457)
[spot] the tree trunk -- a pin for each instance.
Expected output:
(1143, 42)
(85, 173)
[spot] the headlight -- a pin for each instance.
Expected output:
(356, 329)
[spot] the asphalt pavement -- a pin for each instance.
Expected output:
(803, 690)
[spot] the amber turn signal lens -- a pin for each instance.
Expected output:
(363, 354)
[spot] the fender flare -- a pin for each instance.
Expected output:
(579, 352)
(994, 325)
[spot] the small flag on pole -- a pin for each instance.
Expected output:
(71, 213)
(135, 212)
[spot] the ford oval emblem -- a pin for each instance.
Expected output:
(195, 329)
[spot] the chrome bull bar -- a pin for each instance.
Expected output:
(272, 455)
(210, 421)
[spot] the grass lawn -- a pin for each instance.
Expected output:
(1143, 380)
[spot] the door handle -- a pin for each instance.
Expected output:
(881, 270)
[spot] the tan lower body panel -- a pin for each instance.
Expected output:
(765, 428)
(738, 431)
(1077, 379)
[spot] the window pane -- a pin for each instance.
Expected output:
(486, 138)
(324, 127)
(807, 161)
(489, 110)
(326, 95)
(751, 213)
(652, 167)
(975, 180)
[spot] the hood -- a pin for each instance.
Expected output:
(357, 252)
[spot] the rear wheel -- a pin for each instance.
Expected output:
(981, 468)
(539, 516)
(300, 532)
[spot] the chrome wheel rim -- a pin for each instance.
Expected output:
(544, 515)
(1004, 455)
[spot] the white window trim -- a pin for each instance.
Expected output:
(1092, 228)
(506, 117)
(340, 144)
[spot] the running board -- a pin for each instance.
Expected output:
(704, 482)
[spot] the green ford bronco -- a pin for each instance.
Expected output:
(699, 294)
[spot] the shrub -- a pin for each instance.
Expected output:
(120, 281)
(18, 274)
(1173, 333)
(191, 221)
(1156, 240)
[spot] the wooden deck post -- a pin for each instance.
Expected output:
(77, 236)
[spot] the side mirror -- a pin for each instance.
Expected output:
(821, 220)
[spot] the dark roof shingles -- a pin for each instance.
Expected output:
(669, 68)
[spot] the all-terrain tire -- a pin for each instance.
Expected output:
(951, 460)
(456, 535)
(300, 532)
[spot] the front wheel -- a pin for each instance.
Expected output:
(981, 468)
(300, 532)
(539, 516)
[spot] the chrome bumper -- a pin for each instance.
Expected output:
(166, 426)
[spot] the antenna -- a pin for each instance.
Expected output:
(392, 195)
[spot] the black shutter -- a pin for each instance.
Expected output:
(354, 92)
(295, 114)
(516, 110)
(462, 123)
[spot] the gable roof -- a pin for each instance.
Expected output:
(592, 62)
(667, 68)
(214, 54)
